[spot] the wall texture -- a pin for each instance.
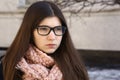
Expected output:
(99, 31)
(96, 31)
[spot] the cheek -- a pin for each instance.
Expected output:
(59, 39)
(36, 41)
(36, 38)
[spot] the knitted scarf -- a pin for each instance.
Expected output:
(37, 65)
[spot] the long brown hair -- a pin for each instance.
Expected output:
(66, 55)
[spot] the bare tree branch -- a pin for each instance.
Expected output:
(66, 4)
(76, 6)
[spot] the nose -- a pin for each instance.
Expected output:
(51, 36)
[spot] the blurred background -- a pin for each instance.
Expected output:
(94, 27)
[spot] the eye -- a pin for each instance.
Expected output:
(59, 28)
(43, 29)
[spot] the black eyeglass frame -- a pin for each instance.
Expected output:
(51, 29)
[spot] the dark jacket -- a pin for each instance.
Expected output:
(18, 73)
(1, 71)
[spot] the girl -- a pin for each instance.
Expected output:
(42, 48)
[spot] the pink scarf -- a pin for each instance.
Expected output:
(39, 66)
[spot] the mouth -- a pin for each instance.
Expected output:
(51, 45)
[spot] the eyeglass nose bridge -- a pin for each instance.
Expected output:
(52, 29)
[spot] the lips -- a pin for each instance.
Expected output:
(51, 45)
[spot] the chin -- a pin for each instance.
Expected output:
(49, 51)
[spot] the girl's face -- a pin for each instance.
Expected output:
(48, 43)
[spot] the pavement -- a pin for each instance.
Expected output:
(104, 74)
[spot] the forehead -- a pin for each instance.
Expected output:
(51, 21)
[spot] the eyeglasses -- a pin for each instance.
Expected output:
(44, 30)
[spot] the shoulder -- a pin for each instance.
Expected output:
(1, 70)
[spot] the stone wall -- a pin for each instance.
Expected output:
(9, 25)
(99, 31)
(96, 31)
